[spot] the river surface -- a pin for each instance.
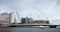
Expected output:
(19, 29)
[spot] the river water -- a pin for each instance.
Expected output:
(19, 29)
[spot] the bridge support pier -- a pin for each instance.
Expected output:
(54, 26)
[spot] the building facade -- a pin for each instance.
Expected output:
(4, 18)
(41, 22)
(7, 18)
(11, 18)
(26, 20)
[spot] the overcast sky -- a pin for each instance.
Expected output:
(51, 8)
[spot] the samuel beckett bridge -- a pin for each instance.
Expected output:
(23, 25)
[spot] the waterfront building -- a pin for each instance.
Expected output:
(4, 18)
(22, 20)
(41, 22)
(7, 18)
(11, 17)
(26, 20)
(30, 20)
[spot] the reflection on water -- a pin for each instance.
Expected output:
(29, 29)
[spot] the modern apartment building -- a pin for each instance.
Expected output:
(7, 18)
(11, 18)
(4, 18)
(26, 20)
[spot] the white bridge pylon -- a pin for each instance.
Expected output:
(17, 18)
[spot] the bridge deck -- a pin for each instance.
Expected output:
(35, 25)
